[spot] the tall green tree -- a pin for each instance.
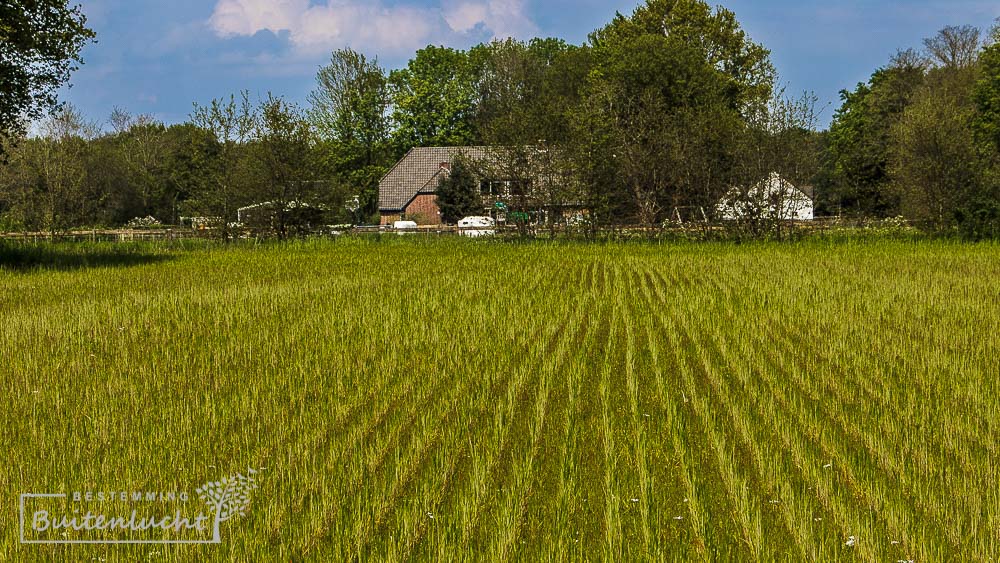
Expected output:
(350, 112)
(50, 189)
(524, 90)
(40, 44)
(860, 138)
(987, 95)
(434, 100)
(290, 185)
(230, 124)
(142, 147)
(717, 36)
(934, 162)
(672, 110)
(458, 193)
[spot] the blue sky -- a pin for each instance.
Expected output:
(157, 57)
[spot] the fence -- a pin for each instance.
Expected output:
(120, 235)
(819, 225)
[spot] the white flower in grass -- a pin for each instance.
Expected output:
(851, 541)
(828, 466)
(634, 500)
(429, 515)
(678, 517)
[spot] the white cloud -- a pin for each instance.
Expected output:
(464, 17)
(371, 25)
(503, 18)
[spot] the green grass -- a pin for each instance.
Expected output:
(450, 400)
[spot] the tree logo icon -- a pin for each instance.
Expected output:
(228, 498)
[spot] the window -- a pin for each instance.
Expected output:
(505, 188)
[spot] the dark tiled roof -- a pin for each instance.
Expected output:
(419, 173)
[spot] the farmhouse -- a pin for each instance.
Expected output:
(518, 184)
(774, 198)
(408, 189)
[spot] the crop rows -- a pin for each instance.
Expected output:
(451, 400)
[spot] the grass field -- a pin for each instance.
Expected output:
(449, 400)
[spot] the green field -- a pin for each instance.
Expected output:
(449, 400)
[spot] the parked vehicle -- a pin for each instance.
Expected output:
(477, 227)
(405, 227)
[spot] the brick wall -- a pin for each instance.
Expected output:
(424, 210)
(390, 218)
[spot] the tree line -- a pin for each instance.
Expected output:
(921, 139)
(665, 110)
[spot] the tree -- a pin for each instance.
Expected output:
(51, 191)
(189, 164)
(954, 47)
(230, 124)
(664, 100)
(351, 101)
(350, 112)
(458, 194)
(987, 95)
(859, 147)
(934, 162)
(715, 34)
(590, 161)
(142, 146)
(291, 190)
(40, 44)
(778, 145)
(434, 100)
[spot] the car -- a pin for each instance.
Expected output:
(477, 227)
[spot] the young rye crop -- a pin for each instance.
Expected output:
(451, 400)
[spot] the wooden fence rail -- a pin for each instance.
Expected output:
(129, 235)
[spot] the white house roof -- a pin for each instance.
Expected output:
(767, 197)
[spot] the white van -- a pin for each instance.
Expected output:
(404, 227)
(477, 227)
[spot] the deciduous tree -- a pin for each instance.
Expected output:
(40, 44)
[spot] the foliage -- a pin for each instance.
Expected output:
(934, 162)
(920, 137)
(458, 193)
(230, 124)
(860, 139)
(45, 185)
(715, 35)
(286, 168)
(674, 103)
(350, 112)
(987, 95)
(434, 100)
(40, 43)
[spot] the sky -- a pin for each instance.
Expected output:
(159, 57)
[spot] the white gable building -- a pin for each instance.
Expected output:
(774, 198)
